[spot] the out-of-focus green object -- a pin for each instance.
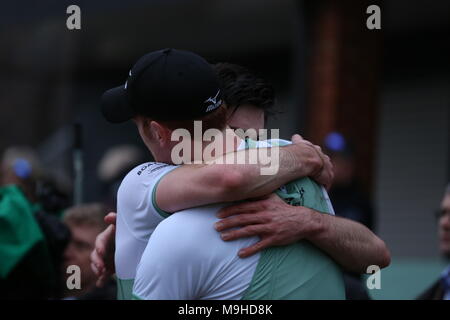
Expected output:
(19, 231)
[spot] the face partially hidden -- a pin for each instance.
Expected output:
(444, 227)
(157, 138)
(246, 117)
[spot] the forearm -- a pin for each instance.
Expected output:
(227, 180)
(280, 166)
(349, 243)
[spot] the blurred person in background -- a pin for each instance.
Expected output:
(440, 290)
(85, 223)
(349, 200)
(31, 240)
(112, 168)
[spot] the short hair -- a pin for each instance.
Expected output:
(240, 86)
(91, 214)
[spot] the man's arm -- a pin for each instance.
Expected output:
(349, 243)
(195, 185)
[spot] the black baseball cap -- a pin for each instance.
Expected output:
(167, 84)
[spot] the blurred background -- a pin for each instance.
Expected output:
(385, 94)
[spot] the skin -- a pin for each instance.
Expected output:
(232, 182)
(278, 223)
(78, 253)
(444, 227)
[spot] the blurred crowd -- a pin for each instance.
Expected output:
(41, 234)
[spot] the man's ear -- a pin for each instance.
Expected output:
(160, 133)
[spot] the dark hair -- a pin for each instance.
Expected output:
(240, 86)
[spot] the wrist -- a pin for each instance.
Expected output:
(312, 162)
(307, 161)
(319, 226)
(319, 162)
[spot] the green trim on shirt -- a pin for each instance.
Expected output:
(125, 289)
(136, 297)
(161, 212)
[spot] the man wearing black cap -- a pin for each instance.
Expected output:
(165, 90)
(117, 108)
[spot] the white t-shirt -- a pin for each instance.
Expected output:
(186, 259)
(137, 216)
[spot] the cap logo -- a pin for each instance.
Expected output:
(214, 103)
(126, 82)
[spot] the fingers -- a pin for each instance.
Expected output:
(100, 246)
(325, 175)
(110, 218)
(244, 207)
(101, 281)
(104, 239)
(240, 221)
(319, 149)
(95, 269)
(328, 173)
(97, 262)
(245, 232)
(98, 270)
(99, 252)
(265, 243)
(296, 138)
(330, 168)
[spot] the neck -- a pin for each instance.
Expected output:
(163, 158)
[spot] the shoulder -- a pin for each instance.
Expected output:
(146, 170)
(135, 197)
(144, 175)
